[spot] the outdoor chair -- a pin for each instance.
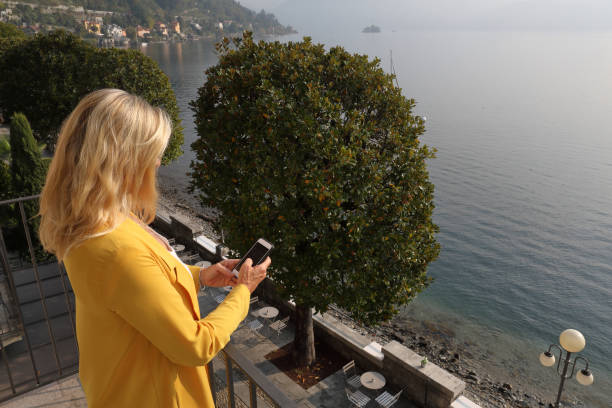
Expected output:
(219, 298)
(279, 325)
(255, 325)
(357, 398)
(350, 374)
(387, 400)
(190, 257)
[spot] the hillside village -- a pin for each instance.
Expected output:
(115, 28)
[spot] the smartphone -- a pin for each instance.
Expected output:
(258, 253)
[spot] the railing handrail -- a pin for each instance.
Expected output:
(258, 377)
(16, 200)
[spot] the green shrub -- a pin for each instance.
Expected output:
(28, 173)
(46, 76)
(318, 152)
(8, 30)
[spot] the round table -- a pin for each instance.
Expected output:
(373, 380)
(268, 312)
(178, 247)
(203, 264)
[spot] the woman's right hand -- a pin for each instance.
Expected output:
(252, 276)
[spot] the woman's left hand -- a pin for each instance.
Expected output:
(219, 274)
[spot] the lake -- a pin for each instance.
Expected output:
(523, 180)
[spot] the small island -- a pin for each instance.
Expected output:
(371, 29)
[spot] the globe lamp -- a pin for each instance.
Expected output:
(572, 340)
(585, 377)
(547, 359)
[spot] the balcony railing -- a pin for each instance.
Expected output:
(37, 325)
(37, 341)
(239, 370)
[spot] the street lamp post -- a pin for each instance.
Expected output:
(571, 341)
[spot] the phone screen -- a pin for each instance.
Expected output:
(257, 254)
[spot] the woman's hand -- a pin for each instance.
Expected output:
(252, 276)
(219, 274)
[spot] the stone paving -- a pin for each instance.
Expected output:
(328, 393)
(64, 393)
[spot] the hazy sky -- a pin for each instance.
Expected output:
(479, 14)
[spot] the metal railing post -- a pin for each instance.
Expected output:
(252, 393)
(8, 369)
(230, 382)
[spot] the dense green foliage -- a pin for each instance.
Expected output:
(9, 36)
(27, 176)
(34, 15)
(5, 149)
(45, 77)
(27, 168)
(10, 31)
(318, 152)
(5, 180)
(6, 211)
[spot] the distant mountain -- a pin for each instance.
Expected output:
(203, 11)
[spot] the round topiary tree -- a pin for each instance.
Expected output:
(45, 77)
(318, 152)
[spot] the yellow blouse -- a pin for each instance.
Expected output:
(141, 340)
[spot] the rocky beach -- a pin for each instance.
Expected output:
(428, 338)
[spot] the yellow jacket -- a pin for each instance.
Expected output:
(141, 340)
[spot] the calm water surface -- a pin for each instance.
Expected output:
(523, 182)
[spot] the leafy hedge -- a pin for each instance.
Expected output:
(45, 77)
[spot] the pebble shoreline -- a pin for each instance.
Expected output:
(427, 339)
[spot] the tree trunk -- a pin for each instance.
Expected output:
(303, 343)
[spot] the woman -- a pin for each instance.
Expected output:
(141, 340)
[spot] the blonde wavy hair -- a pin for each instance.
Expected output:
(104, 167)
